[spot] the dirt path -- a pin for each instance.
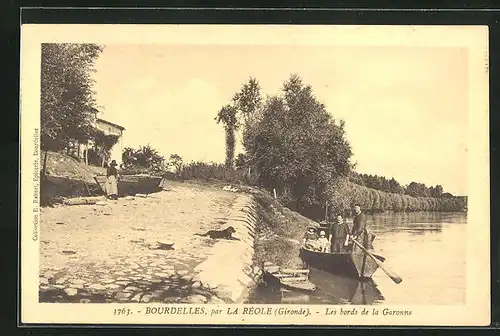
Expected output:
(105, 253)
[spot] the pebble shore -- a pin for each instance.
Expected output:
(111, 253)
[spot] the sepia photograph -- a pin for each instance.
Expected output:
(255, 175)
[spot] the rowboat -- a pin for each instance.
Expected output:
(346, 289)
(133, 184)
(354, 264)
(293, 279)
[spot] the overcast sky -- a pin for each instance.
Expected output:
(405, 107)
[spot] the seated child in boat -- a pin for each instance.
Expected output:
(310, 239)
(323, 242)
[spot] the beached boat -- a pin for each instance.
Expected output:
(293, 279)
(133, 184)
(357, 264)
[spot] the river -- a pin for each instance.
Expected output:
(426, 249)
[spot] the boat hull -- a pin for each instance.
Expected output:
(133, 184)
(275, 281)
(356, 265)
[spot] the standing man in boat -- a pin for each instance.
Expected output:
(359, 230)
(112, 181)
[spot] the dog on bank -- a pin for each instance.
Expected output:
(220, 234)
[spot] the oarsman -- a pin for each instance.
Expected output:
(359, 230)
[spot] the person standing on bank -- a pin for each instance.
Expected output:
(339, 236)
(359, 230)
(112, 181)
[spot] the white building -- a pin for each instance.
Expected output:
(108, 128)
(111, 128)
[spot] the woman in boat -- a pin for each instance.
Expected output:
(112, 181)
(310, 239)
(339, 236)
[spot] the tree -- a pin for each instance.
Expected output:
(248, 100)
(143, 158)
(395, 187)
(227, 116)
(241, 161)
(436, 191)
(412, 189)
(128, 156)
(67, 103)
(298, 147)
(103, 143)
(417, 190)
(176, 162)
(385, 185)
(356, 178)
(146, 156)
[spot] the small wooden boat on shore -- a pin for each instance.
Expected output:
(293, 279)
(133, 184)
(355, 264)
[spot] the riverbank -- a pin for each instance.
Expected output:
(109, 252)
(280, 233)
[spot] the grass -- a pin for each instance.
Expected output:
(64, 166)
(280, 232)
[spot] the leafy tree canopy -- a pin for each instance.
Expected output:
(298, 148)
(68, 105)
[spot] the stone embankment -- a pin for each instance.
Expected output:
(229, 271)
(111, 251)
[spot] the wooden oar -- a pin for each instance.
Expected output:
(394, 277)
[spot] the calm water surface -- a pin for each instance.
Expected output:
(426, 249)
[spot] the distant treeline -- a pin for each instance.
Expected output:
(344, 194)
(392, 186)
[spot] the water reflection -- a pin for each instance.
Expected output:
(413, 222)
(430, 261)
(330, 289)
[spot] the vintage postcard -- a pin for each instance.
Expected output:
(255, 175)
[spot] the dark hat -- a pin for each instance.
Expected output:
(113, 163)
